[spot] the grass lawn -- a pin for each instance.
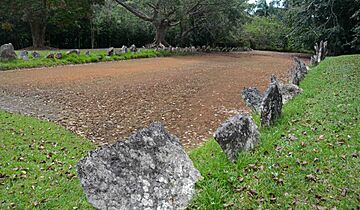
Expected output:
(309, 159)
(37, 165)
(95, 56)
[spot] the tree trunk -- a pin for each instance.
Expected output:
(161, 30)
(38, 30)
(92, 29)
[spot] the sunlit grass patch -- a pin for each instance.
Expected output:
(94, 57)
(37, 164)
(309, 159)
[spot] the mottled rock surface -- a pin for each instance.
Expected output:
(123, 49)
(238, 133)
(35, 55)
(7, 52)
(298, 72)
(288, 91)
(110, 51)
(301, 65)
(271, 105)
(73, 51)
(24, 55)
(51, 56)
(133, 48)
(58, 55)
(150, 170)
(252, 98)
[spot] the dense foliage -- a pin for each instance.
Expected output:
(281, 24)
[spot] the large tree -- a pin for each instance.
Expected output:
(39, 13)
(333, 20)
(164, 14)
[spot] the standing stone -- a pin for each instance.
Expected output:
(313, 60)
(73, 51)
(161, 46)
(287, 91)
(298, 72)
(7, 52)
(208, 49)
(24, 55)
(110, 51)
(252, 98)
(302, 65)
(320, 52)
(50, 56)
(58, 55)
(238, 133)
(124, 49)
(150, 170)
(271, 105)
(35, 55)
(133, 48)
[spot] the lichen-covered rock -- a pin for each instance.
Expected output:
(320, 52)
(122, 50)
(7, 52)
(24, 55)
(301, 64)
(110, 51)
(58, 55)
(35, 55)
(150, 170)
(271, 105)
(238, 133)
(298, 72)
(50, 56)
(133, 48)
(252, 98)
(288, 91)
(73, 51)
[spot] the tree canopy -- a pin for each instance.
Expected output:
(281, 24)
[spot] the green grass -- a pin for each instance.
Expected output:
(95, 56)
(325, 121)
(37, 165)
(37, 158)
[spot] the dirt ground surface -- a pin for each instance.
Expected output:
(191, 95)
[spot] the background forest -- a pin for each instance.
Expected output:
(288, 25)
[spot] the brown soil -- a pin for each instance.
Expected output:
(191, 95)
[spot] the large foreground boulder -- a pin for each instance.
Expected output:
(150, 170)
(238, 133)
(271, 105)
(252, 98)
(7, 52)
